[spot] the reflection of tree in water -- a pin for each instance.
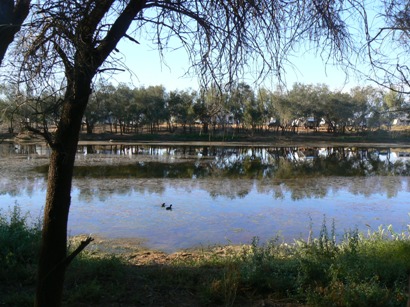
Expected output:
(16, 187)
(104, 189)
(315, 187)
(19, 177)
(227, 188)
(270, 186)
(298, 189)
(233, 171)
(248, 162)
(302, 189)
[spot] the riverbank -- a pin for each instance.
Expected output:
(362, 270)
(379, 138)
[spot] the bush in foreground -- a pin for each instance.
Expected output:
(19, 242)
(360, 270)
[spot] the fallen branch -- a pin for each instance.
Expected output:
(83, 244)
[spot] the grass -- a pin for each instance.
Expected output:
(360, 269)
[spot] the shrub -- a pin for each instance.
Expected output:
(19, 243)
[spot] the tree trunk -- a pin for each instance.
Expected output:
(87, 60)
(54, 238)
(12, 16)
(53, 251)
(205, 128)
(89, 127)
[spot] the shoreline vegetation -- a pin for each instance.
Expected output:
(362, 269)
(395, 137)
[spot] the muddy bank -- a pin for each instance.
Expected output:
(135, 252)
(319, 139)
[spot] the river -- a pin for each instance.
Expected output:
(219, 195)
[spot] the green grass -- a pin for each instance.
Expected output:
(358, 270)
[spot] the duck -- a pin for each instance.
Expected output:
(169, 207)
(163, 205)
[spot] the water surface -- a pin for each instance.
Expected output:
(219, 195)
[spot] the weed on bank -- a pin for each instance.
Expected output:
(361, 269)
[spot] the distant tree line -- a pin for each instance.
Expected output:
(241, 109)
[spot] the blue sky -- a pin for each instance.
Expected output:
(147, 68)
(307, 68)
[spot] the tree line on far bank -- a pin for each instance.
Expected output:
(242, 109)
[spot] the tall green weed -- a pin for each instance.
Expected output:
(19, 244)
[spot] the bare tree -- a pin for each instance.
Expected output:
(381, 43)
(12, 15)
(70, 42)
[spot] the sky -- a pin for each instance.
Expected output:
(147, 69)
(307, 68)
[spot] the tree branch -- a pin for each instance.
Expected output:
(117, 31)
(45, 134)
(79, 249)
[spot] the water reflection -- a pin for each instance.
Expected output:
(294, 170)
(297, 190)
(245, 163)
(219, 193)
(11, 149)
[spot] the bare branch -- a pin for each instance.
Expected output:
(131, 39)
(79, 249)
(44, 133)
